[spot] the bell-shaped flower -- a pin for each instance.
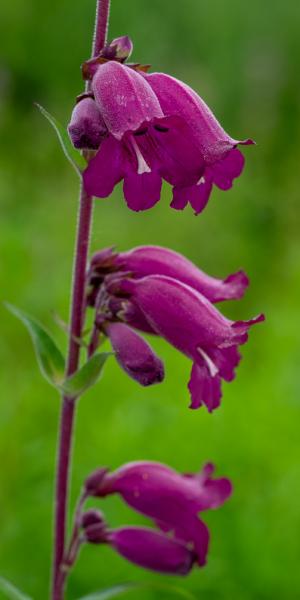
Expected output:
(134, 355)
(172, 500)
(87, 128)
(158, 129)
(188, 321)
(152, 550)
(157, 260)
(217, 152)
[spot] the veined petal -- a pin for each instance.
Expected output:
(124, 98)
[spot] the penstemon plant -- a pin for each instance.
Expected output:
(141, 128)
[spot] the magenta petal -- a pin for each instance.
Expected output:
(134, 355)
(152, 550)
(105, 170)
(150, 260)
(227, 169)
(124, 98)
(197, 195)
(204, 388)
(142, 191)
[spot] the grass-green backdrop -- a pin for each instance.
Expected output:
(243, 58)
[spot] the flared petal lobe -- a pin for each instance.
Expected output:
(134, 355)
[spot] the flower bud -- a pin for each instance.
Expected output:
(94, 526)
(86, 128)
(134, 355)
(122, 46)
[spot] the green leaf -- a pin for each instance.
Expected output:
(118, 590)
(126, 588)
(86, 377)
(10, 591)
(49, 357)
(74, 156)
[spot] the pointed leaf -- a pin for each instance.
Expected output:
(74, 156)
(113, 592)
(49, 357)
(11, 592)
(126, 588)
(85, 377)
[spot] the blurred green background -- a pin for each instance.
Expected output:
(243, 58)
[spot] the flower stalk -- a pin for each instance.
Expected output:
(76, 323)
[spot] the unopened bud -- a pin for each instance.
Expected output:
(86, 128)
(94, 526)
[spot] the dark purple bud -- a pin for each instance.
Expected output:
(152, 550)
(122, 46)
(135, 355)
(86, 128)
(94, 526)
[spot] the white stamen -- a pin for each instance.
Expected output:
(142, 165)
(213, 369)
(201, 180)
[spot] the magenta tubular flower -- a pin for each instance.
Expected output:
(159, 128)
(143, 145)
(152, 550)
(172, 500)
(87, 128)
(188, 321)
(134, 355)
(155, 260)
(217, 152)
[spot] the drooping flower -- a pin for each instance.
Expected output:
(221, 160)
(190, 323)
(156, 260)
(158, 128)
(170, 499)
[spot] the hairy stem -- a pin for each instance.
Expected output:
(68, 405)
(76, 325)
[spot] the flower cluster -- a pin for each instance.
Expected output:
(171, 500)
(158, 291)
(146, 128)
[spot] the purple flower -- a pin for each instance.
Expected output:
(172, 500)
(221, 161)
(188, 321)
(148, 140)
(152, 550)
(87, 128)
(134, 355)
(156, 260)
